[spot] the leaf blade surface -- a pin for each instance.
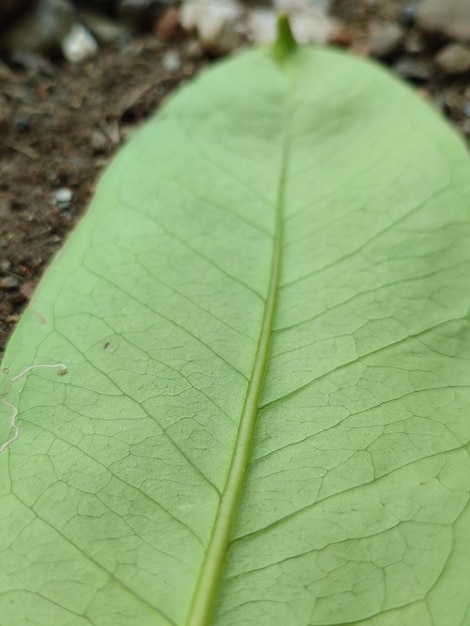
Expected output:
(266, 240)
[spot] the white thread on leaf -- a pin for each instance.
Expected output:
(63, 369)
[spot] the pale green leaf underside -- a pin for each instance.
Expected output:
(296, 234)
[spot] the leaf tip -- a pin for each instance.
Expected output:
(285, 44)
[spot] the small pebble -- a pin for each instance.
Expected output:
(309, 24)
(418, 70)
(215, 22)
(454, 59)
(27, 289)
(79, 44)
(262, 25)
(5, 266)
(448, 19)
(171, 61)
(41, 28)
(101, 27)
(99, 141)
(9, 282)
(63, 198)
(385, 38)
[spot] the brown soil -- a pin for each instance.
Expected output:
(60, 124)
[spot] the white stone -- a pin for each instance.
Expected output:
(454, 59)
(450, 18)
(309, 24)
(79, 44)
(171, 61)
(212, 20)
(63, 195)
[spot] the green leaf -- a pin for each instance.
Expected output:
(285, 45)
(265, 322)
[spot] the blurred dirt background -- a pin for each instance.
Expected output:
(76, 77)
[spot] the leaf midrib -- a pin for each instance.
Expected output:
(205, 594)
